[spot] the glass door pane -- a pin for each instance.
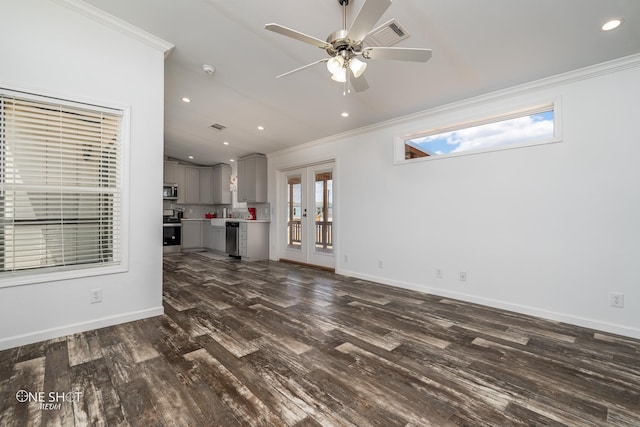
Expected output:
(323, 211)
(294, 209)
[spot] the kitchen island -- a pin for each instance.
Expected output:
(210, 234)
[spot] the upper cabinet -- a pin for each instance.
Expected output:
(252, 178)
(199, 185)
(221, 182)
(191, 189)
(170, 172)
(206, 186)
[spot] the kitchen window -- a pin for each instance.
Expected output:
(520, 128)
(60, 186)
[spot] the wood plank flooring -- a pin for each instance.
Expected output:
(274, 344)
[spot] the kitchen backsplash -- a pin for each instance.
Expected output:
(263, 210)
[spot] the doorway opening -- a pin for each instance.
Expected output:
(309, 205)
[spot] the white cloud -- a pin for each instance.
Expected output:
(506, 132)
(513, 131)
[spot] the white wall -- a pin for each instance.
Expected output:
(50, 49)
(549, 230)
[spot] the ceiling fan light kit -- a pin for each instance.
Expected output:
(335, 64)
(345, 46)
(357, 67)
(340, 75)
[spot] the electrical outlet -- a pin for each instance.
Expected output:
(463, 276)
(616, 299)
(346, 258)
(438, 273)
(95, 295)
(380, 264)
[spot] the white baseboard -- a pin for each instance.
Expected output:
(46, 334)
(523, 309)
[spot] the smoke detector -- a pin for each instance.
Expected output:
(209, 69)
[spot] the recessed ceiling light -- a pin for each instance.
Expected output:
(611, 24)
(345, 114)
(225, 143)
(231, 160)
(260, 127)
(185, 99)
(191, 157)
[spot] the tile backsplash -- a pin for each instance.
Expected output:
(263, 210)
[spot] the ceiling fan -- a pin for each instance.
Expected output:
(345, 46)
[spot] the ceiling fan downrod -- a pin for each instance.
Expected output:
(344, 4)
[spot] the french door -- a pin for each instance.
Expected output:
(308, 233)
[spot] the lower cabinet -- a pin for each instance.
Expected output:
(214, 237)
(192, 235)
(207, 235)
(219, 239)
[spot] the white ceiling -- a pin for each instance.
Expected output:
(478, 47)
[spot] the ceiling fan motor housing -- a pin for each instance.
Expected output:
(341, 44)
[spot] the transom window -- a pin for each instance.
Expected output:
(532, 126)
(60, 185)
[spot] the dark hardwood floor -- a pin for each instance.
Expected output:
(274, 344)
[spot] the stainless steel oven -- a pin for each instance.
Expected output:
(171, 234)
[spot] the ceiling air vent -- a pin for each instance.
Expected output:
(218, 126)
(387, 34)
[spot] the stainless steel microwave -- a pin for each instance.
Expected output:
(170, 191)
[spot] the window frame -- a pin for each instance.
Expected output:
(481, 115)
(59, 273)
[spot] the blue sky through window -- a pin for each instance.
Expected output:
(528, 128)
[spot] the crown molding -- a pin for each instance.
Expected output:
(117, 24)
(589, 72)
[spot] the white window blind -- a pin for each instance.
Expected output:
(60, 185)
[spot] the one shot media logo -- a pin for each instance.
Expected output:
(48, 401)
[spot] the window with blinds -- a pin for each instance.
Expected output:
(60, 184)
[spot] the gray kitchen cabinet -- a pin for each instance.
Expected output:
(170, 172)
(221, 181)
(182, 184)
(199, 185)
(252, 178)
(206, 186)
(207, 235)
(219, 239)
(191, 185)
(214, 237)
(254, 241)
(191, 235)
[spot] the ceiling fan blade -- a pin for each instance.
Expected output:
(397, 53)
(360, 84)
(276, 28)
(302, 68)
(370, 13)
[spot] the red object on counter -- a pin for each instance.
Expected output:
(252, 213)
(209, 215)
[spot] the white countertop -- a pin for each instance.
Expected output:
(221, 222)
